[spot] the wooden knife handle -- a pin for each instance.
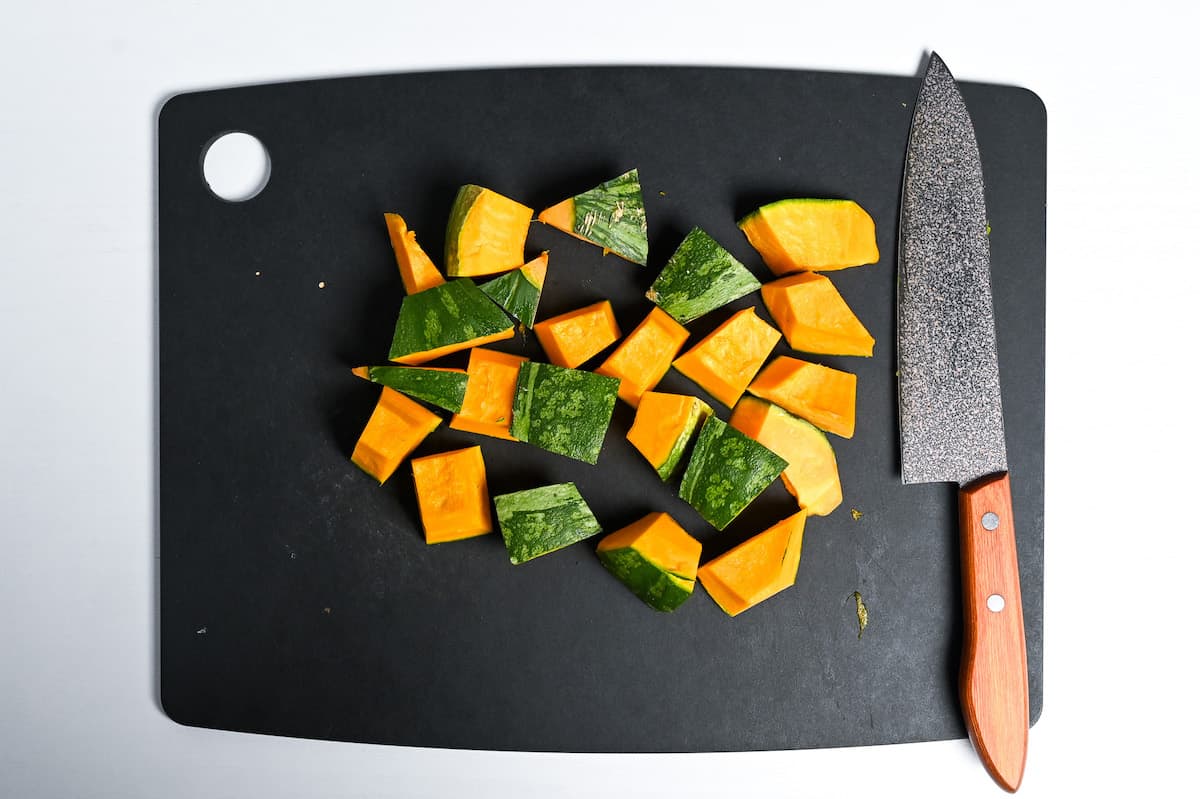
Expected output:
(994, 682)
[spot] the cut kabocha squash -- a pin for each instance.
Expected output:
(811, 475)
(488, 398)
(814, 317)
(655, 558)
(541, 520)
(726, 360)
(566, 411)
(444, 319)
(822, 395)
(571, 338)
(519, 291)
(486, 233)
(396, 427)
(756, 569)
(727, 470)
(641, 360)
(700, 276)
(811, 234)
(664, 426)
(417, 271)
(441, 387)
(452, 495)
(612, 216)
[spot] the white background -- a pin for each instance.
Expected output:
(79, 88)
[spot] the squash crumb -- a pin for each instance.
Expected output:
(861, 611)
(855, 514)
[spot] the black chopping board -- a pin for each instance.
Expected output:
(299, 598)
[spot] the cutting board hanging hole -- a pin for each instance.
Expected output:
(236, 166)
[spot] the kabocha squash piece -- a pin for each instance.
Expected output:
(811, 234)
(700, 276)
(571, 338)
(444, 319)
(664, 426)
(727, 470)
(452, 495)
(486, 233)
(566, 411)
(519, 291)
(814, 318)
(655, 558)
(811, 475)
(641, 360)
(488, 399)
(441, 387)
(726, 360)
(612, 216)
(396, 427)
(757, 569)
(417, 271)
(822, 395)
(541, 520)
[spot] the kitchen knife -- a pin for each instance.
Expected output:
(951, 422)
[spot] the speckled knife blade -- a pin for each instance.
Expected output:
(951, 423)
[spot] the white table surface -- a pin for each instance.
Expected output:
(80, 87)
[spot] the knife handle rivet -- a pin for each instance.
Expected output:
(990, 521)
(995, 603)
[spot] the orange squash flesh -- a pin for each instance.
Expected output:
(814, 318)
(571, 338)
(722, 594)
(417, 271)
(641, 360)
(452, 495)
(397, 425)
(536, 269)
(659, 539)
(491, 385)
(811, 475)
(822, 395)
(562, 217)
(812, 234)
(726, 360)
(416, 358)
(757, 569)
(661, 421)
(488, 234)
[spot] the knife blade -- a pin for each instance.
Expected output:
(951, 418)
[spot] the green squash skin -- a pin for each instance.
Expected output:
(566, 411)
(726, 472)
(701, 276)
(701, 410)
(458, 215)
(650, 583)
(541, 520)
(516, 294)
(448, 314)
(443, 389)
(613, 215)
